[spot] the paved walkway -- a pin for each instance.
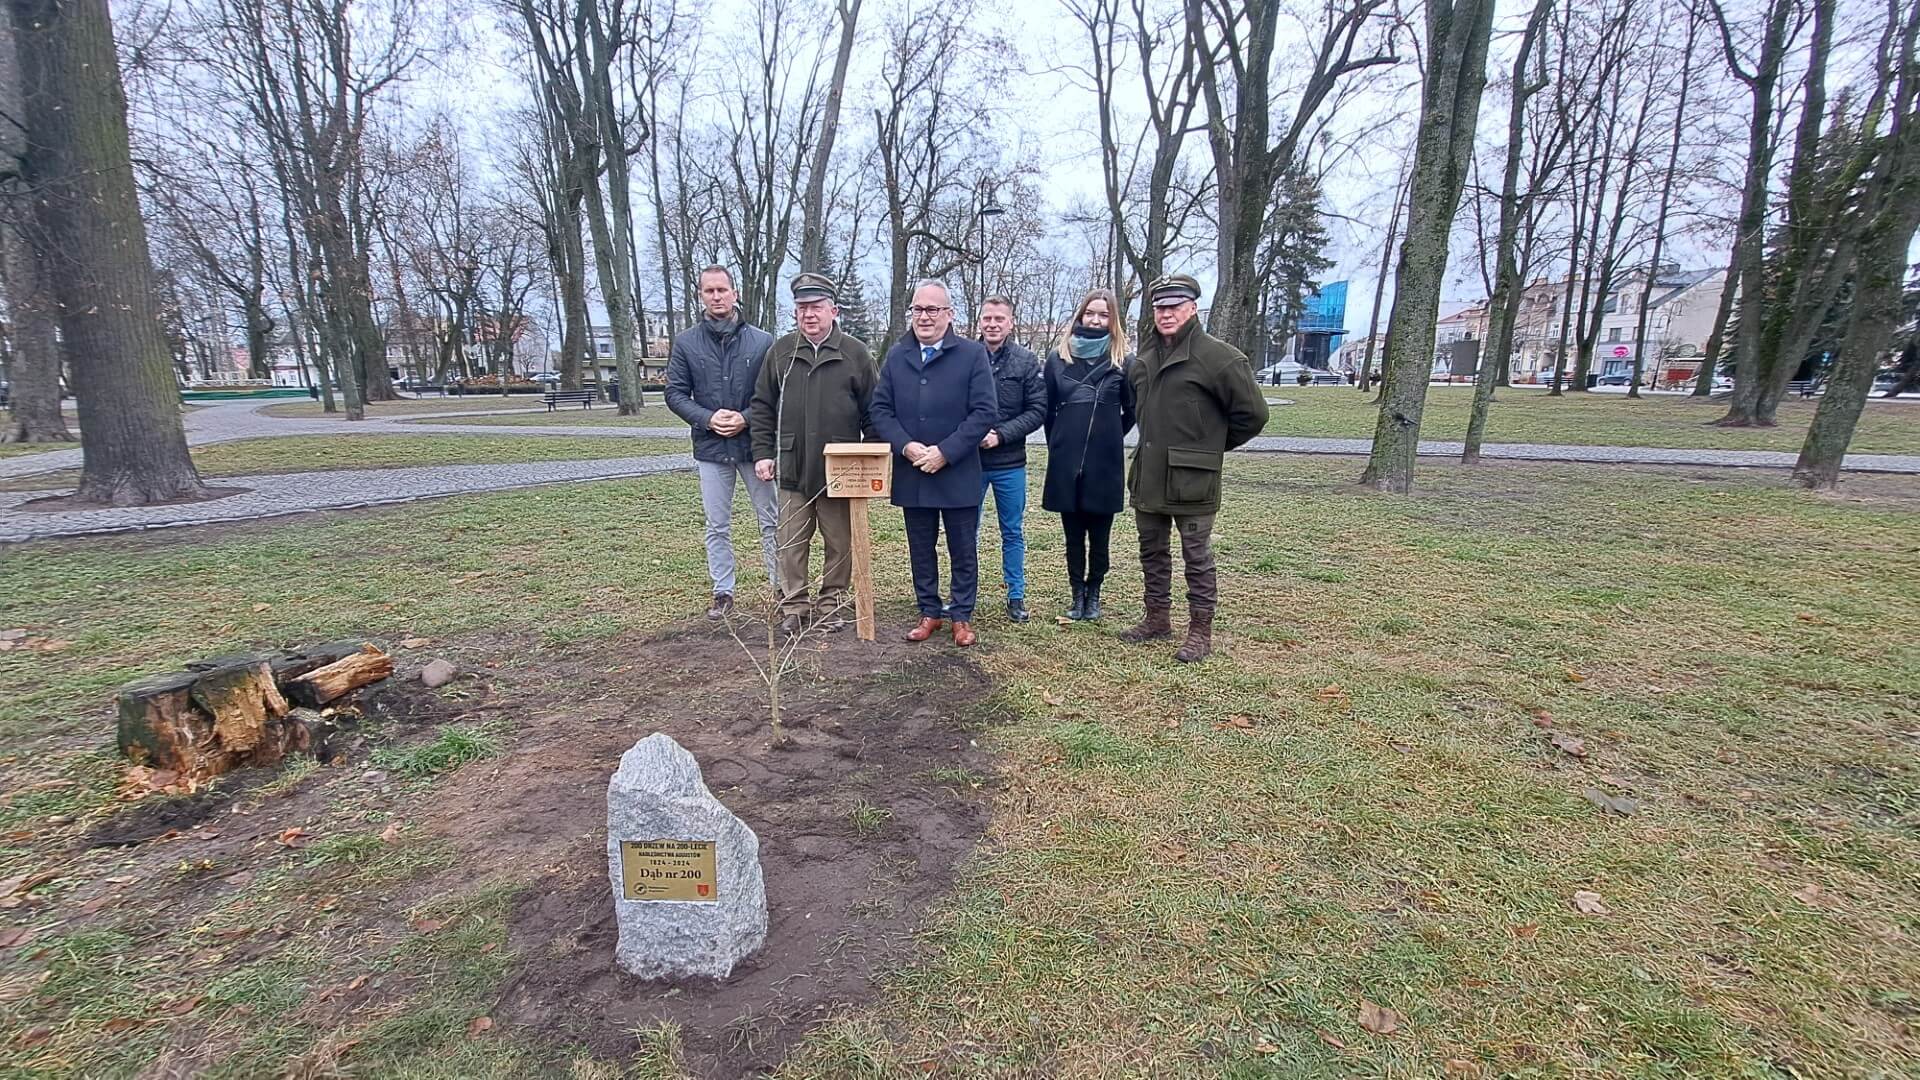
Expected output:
(293, 493)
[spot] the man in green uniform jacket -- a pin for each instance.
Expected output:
(813, 389)
(1196, 400)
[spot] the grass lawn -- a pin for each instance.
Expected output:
(1526, 415)
(312, 453)
(8, 450)
(598, 416)
(313, 410)
(1190, 872)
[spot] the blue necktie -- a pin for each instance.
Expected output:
(926, 354)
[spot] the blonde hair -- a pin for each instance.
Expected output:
(1116, 337)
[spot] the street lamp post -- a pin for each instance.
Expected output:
(987, 207)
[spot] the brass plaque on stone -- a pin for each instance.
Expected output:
(668, 870)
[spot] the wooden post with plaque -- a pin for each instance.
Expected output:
(857, 472)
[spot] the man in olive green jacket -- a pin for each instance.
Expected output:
(813, 389)
(1196, 400)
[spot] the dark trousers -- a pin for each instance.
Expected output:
(963, 551)
(1196, 550)
(1087, 536)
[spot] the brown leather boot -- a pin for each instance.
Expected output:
(1199, 643)
(1157, 623)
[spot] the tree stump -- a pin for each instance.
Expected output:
(162, 727)
(233, 711)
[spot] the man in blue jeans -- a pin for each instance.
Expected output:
(1022, 396)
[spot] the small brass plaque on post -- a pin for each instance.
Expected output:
(859, 470)
(668, 870)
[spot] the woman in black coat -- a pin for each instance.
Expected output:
(1089, 412)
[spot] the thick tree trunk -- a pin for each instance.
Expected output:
(34, 398)
(1457, 35)
(1505, 301)
(576, 340)
(93, 245)
(1876, 312)
(34, 368)
(1750, 237)
(1890, 215)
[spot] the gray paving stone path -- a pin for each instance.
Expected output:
(293, 493)
(270, 496)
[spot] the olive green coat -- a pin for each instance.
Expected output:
(1196, 399)
(805, 398)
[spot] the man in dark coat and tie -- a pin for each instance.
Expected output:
(934, 402)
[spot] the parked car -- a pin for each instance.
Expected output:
(1615, 378)
(546, 376)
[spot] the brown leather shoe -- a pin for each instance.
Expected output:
(963, 634)
(924, 629)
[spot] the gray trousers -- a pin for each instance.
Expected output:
(716, 497)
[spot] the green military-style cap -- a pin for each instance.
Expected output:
(812, 286)
(1173, 290)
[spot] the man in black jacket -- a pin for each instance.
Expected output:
(710, 380)
(1022, 396)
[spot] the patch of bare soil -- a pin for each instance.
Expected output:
(53, 504)
(844, 892)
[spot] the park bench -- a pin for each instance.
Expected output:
(555, 398)
(1801, 387)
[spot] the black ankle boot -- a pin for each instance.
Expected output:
(1079, 609)
(1090, 603)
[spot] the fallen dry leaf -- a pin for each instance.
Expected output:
(1574, 676)
(357, 983)
(1525, 931)
(1261, 1045)
(93, 906)
(1053, 699)
(1569, 745)
(1588, 902)
(428, 926)
(1332, 692)
(489, 947)
(12, 635)
(1330, 1039)
(479, 1025)
(1542, 718)
(15, 936)
(390, 834)
(415, 642)
(185, 1005)
(1379, 1019)
(21, 883)
(36, 1037)
(119, 1024)
(1459, 1067)
(1808, 895)
(262, 607)
(1240, 721)
(295, 837)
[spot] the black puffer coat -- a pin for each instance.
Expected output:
(1089, 412)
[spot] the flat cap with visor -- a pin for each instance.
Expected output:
(812, 286)
(1173, 290)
